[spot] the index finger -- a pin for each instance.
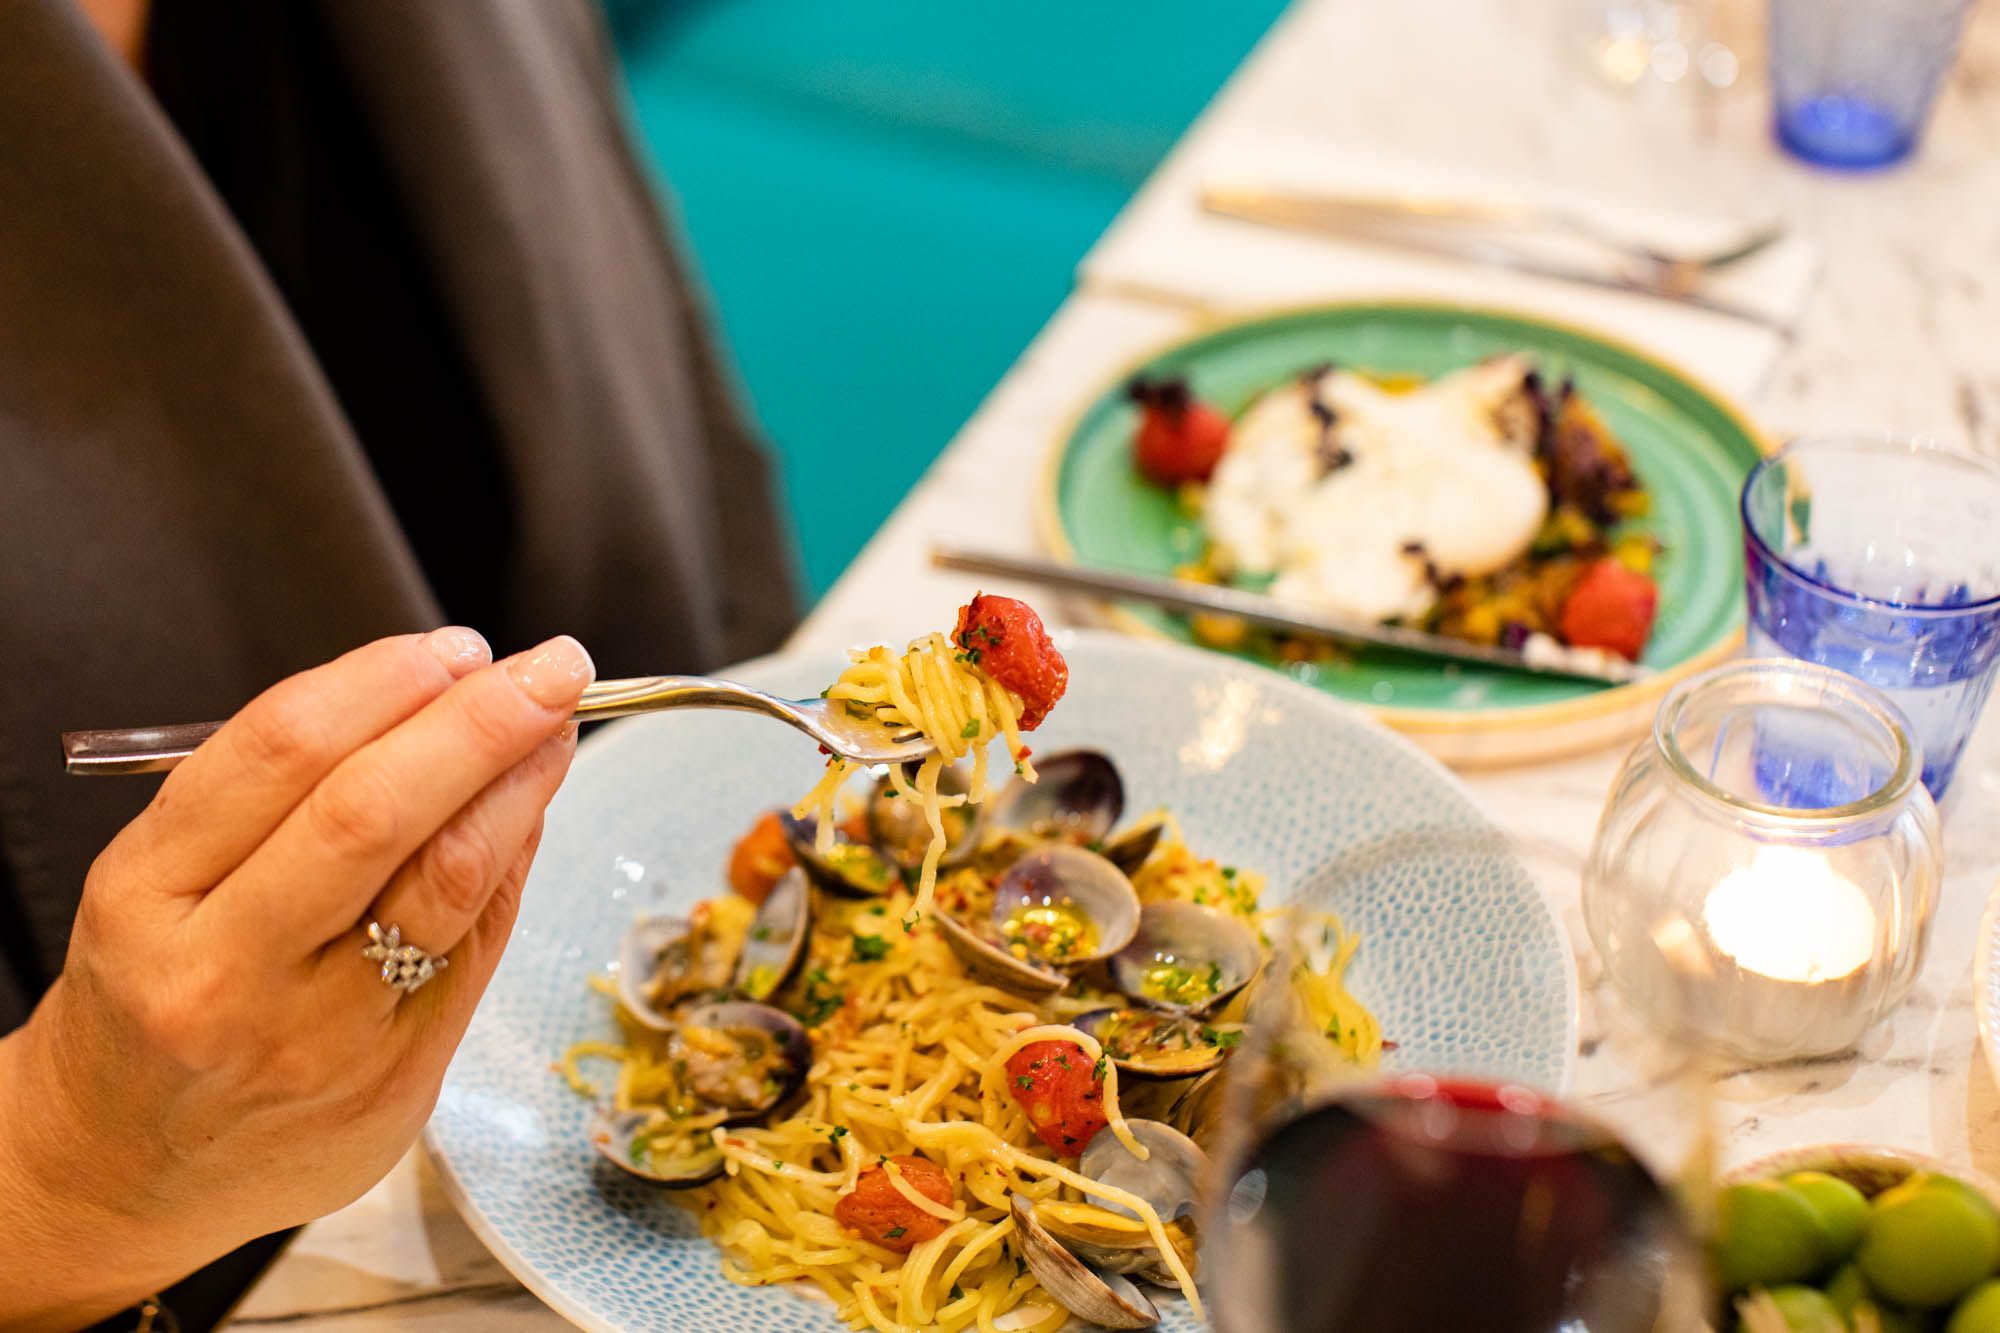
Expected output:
(315, 875)
(227, 797)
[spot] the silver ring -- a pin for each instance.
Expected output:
(405, 967)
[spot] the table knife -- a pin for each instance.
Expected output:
(1196, 598)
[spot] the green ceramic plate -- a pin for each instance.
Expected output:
(1690, 448)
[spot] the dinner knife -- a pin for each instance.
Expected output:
(1431, 232)
(1205, 598)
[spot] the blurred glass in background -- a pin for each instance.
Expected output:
(1853, 81)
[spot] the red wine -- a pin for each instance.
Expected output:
(1420, 1207)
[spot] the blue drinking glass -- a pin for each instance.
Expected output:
(1852, 81)
(1881, 558)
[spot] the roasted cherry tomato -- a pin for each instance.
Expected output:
(878, 1210)
(1015, 651)
(1180, 438)
(1611, 607)
(761, 857)
(1061, 1090)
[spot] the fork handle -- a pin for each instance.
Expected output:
(157, 749)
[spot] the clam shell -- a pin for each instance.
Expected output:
(639, 953)
(900, 832)
(1193, 937)
(989, 962)
(1170, 1178)
(1077, 797)
(1057, 874)
(1185, 1059)
(777, 938)
(851, 869)
(1109, 1300)
(611, 1134)
(1129, 848)
(793, 1042)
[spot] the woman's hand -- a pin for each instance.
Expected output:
(217, 1060)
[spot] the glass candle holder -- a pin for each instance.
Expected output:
(1764, 875)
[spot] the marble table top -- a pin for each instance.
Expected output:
(1903, 331)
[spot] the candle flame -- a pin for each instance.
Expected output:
(1789, 915)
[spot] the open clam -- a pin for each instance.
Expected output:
(1056, 907)
(849, 868)
(739, 1058)
(899, 830)
(1151, 1043)
(1077, 797)
(1186, 959)
(1110, 1300)
(777, 938)
(632, 1142)
(1109, 1236)
(1169, 1178)
(663, 960)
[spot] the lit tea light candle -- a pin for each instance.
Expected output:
(1790, 916)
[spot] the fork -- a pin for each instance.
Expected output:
(854, 737)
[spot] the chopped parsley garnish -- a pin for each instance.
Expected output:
(822, 1000)
(893, 1232)
(971, 729)
(1063, 1060)
(870, 948)
(837, 1133)
(910, 922)
(860, 711)
(957, 1292)
(1229, 872)
(760, 933)
(1097, 1070)
(876, 909)
(1222, 1041)
(1024, 1082)
(777, 1165)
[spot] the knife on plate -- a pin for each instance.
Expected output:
(1204, 598)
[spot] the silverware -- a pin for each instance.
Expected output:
(1452, 228)
(852, 737)
(1180, 595)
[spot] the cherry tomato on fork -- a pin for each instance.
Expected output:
(1013, 649)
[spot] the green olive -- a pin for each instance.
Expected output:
(1979, 1312)
(1805, 1309)
(1842, 1209)
(1766, 1234)
(1929, 1241)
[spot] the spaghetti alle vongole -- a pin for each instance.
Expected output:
(996, 676)
(880, 1165)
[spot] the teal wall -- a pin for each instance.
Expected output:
(887, 200)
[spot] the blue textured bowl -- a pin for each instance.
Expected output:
(1461, 956)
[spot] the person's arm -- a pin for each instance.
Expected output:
(217, 1060)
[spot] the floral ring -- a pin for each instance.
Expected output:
(405, 967)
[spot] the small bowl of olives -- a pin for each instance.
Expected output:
(1843, 1238)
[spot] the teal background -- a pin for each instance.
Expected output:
(887, 200)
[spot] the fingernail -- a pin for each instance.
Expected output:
(463, 651)
(554, 674)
